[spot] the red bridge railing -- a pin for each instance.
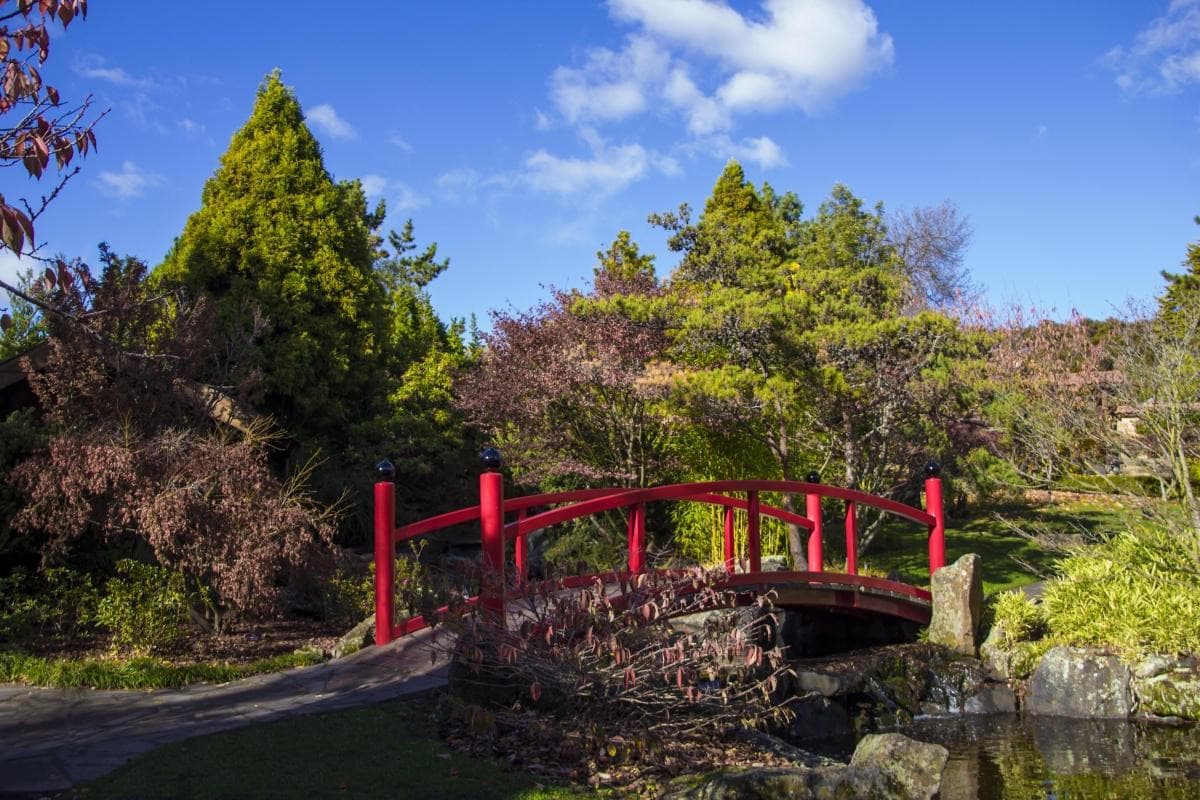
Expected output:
(495, 532)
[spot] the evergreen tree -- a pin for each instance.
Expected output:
(1183, 288)
(285, 251)
(788, 338)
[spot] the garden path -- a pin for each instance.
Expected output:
(52, 739)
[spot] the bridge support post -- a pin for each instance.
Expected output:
(491, 529)
(636, 538)
(933, 506)
(851, 538)
(812, 508)
(385, 539)
(521, 553)
(730, 546)
(753, 551)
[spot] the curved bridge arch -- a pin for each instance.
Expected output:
(815, 588)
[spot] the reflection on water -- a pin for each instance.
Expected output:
(1043, 758)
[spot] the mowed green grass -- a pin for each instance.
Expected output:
(1010, 560)
(390, 750)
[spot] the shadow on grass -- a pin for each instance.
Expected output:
(1010, 560)
(388, 750)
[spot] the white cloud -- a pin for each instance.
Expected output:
(608, 170)
(1164, 57)
(761, 150)
(405, 198)
(132, 181)
(792, 54)
(326, 119)
(610, 86)
(373, 185)
(396, 140)
(90, 65)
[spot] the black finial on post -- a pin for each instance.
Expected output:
(385, 470)
(933, 469)
(814, 477)
(489, 457)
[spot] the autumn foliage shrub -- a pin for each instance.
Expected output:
(607, 671)
(141, 458)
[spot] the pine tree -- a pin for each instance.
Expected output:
(285, 251)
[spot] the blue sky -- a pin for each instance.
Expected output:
(521, 136)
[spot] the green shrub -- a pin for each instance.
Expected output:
(139, 672)
(1139, 591)
(349, 598)
(59, 601)
(145, 607)
(1134, 485)
(989, 480)
(1019, 618)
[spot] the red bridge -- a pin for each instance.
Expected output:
(503, 520)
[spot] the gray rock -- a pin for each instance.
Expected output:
(992, 698)
(1171, 689)
(818, 718)
(995, 657)
(957, 604)
(884, 767)
(1153, 664)
(822, 683)
(775, 564)
(1077, 683)
(360, 636)
(895, 766)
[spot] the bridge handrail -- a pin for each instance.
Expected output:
(462, 516)
(493, 508)
(683, 491)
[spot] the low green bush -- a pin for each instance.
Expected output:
(350, 597)
(1134, 485)
(140, 672)
(1137, 592)
(56, 602)
(145, 606)
(1019, 618)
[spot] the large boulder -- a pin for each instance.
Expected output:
(885, 766)
(360, 636)
(1168, 687)
(1069, 682)
(957, 604)
(891, 765)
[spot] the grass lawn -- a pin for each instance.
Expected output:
(387, 750)
(902, 548)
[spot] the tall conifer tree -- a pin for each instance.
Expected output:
(276, 238)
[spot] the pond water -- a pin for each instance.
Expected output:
(1040, 758)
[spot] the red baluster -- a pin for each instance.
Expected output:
(933, 506)
(730, 550)
(753, 553)
(491, 529)
(851, 539)
(813, 512)
(385, 538)
(521, 552)
(637, 538)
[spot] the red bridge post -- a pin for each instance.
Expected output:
(521, 553)
(851, 538)
(753, 553)
(933, 506)
(813, 511)
(730, 546)
(385, 551)
(491, 529)
(636, 538)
